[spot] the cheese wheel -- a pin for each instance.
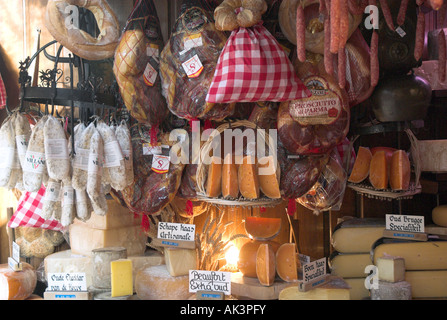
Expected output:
(17, 285)
(358, 289)
(155, 283)
(350, 265)
(230, 184)
(362, 163)
(260, 228)
(287, 263)
(265, 265)
(335, 289)
(378, 171)
(214, 179)
(248, 178)
(427, 284)
(268, 175)
(400, 171)
(247, 256)
(439, 216)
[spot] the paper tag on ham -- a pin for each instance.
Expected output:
(323, 107)
(150, 75)
(160, 163)
(193, 67)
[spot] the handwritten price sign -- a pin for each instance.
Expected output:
(193, 67)
(160, 164)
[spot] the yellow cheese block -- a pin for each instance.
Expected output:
(427, 284)
(269, 176)
(350, 265)
(121, 278)
(439, 216)
(230, 184)
(357, 235)
(391, 269)
(335, 289)
(378, 171)
(214, 178)
(180, 261)
(155, 283)
(358, 289)
(17, 285)
(248, 178)
(417, 255)
(84, 239)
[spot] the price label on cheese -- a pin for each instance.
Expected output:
(176, 231)
(67, 282)
(209, 281)
(161, 163)
(314, 271)
(405, 223)
(193, 67)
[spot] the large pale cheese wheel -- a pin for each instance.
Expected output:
(427, 284)
(287, 263)
(269, 175)
(335, 289)
(260, 228)
(17, 285)
(84, 239)
(400, 171)
(362, 163)
(350, 265)
(247, 256)
(430, 255)
(180, 261)
(358, 289)
(357, 235)
(248, 178)
(439, 216)
(155, 283)
(265, 265)
(230, 184)
(378, 171)
(214, 178)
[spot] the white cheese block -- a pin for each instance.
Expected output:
(428, 284)
(117, 217)
(431, 255)
(155, 283)
(84, 239)
(439, 216)
(357, 235)
(392, 291)
(391, 269)
(180, 261)
(350, 265)
(358, 289)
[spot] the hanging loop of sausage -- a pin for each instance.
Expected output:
(387, 14)
(375, 71)
(335, 25)
(300, 32)
(442, 56)
(420, 35)
(402, 12)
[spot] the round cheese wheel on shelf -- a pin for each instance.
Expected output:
(260, 228)
(247, 256)
(439, 216)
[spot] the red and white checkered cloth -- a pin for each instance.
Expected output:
(2, 94)
(253, 67)
(28, 213)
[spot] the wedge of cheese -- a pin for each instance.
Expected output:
(230, 184)
(260, 228)
(248, 178)
(362, 163)
(265, 265)
(378, 171)
(391, 269)
(214, 178)
(269, 177)
(287, 263)
(400, 171)
(247, 256)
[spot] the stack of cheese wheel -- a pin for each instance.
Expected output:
(352, 240)
(425, 264)
(385, 167)
(262, 257)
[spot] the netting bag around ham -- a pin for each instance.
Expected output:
(253, 67)
(136, 65)
(188, 62)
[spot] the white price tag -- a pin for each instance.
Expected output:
(150, 75)
(193, 67)
(160, 163)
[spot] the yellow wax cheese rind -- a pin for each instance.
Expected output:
(155, 283)
(121, 278)
(180, 261)
(358, 289)
(427, 284)
(356, 240)
(214, 178)
(439, 216)
(430, 255)
(17, 285)
(350, 265)
(335, 289)
(84, 239)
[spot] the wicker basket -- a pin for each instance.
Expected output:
(201, 174)
(388, 194)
